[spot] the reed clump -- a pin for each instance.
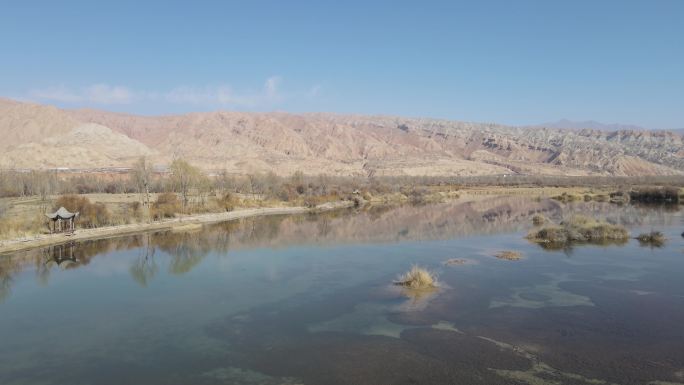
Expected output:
(580, 229)
(417, 278)
(653, 238)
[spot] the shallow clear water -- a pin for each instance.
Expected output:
(308, 300)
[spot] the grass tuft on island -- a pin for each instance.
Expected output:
(653, 239)
(509, 255)
(580, 229)
(417, 278)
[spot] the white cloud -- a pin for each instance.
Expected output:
(96, 94)
(271, 87)
(106, 94)
(210, 95)
(314, 91)
(59, 94)
(268, 95)
(224, 95)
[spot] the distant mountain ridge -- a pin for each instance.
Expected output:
(567, 124)
(41, 137)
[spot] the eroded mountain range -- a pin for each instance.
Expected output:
(38, 136)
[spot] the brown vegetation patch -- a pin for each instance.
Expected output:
(653, 238)
(539, 219)
(509, 255)
(90, 214)
(166, 206)
(580, 229)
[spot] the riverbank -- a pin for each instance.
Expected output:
(34, 208)
(179, 223)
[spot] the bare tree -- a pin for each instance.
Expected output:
(142, 177)
(185, 177)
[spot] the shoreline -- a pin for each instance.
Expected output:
(22, 244)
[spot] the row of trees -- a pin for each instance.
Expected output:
(189, 181)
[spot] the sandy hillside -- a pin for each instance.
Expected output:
(325, 143)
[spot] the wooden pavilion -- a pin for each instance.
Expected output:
(62, 221)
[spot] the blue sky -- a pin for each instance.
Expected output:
(506, 61)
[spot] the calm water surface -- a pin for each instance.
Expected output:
(308, 300)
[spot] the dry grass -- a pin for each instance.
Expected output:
(20, 227)
(417, 278)
(539, 219)
(568, 197)
(509, 255)
(654, 238)
(580, 229)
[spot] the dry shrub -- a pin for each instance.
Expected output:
(418, 195)
(227, 202)
(90, 214)
(313, 201)
(538, 219)
(131, 212)
(134, 206)
(417, 278)
(166, 206)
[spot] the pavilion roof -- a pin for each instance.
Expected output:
(62, 213)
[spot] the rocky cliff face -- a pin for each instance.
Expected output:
(327, 143)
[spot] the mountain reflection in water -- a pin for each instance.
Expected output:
(377, 224)
(308, 299)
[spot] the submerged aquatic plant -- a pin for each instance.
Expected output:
(417, 278)
(654, 238)
(580, 229)
(454, 262)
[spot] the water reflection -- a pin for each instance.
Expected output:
(308, 299)
(377, 224)
(144, 267)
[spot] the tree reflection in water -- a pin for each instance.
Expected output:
(383, 224)
(144, 268)
(187, 250)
